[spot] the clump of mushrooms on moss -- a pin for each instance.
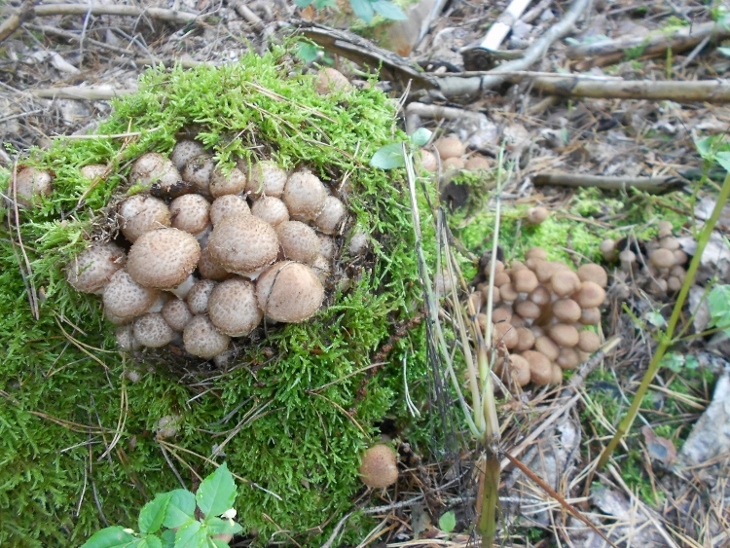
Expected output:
(206, 254)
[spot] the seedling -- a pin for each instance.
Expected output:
(201, 519)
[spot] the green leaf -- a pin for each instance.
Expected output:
(656, 319)
(673, 361)
(723, 158)
(217, 492)
(153, 514)
(718, 302)
(191, 535)
(363, 9)
(389, 10)
(321, 4)
(421, 136)
(218, 526)
(306, 51)
(218, 543)
(302, 3)
(150, 541)
(111, 537)
(724, 51)
(181, 508)
(389, 156)
(168, 538)
(447, 521)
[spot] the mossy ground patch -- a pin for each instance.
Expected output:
(293, 413)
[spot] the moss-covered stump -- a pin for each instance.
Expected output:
(79, 446)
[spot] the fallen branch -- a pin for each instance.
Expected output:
(11, 24)
(711, 91)
(97, 93)
(613, 51)
(172, 16)
(652, 185)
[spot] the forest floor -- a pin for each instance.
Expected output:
(625, 91)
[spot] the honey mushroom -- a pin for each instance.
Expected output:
(541, 312)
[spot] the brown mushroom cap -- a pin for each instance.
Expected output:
(525, 339)
(564, 282)
(379, 467)
(564, 334)
(662, 258)
(224, 183)
(270, 209)
(197, 297)
(176, 313)
(190, 212)
(243, 245)
(524, 280)
(202, 339)
(228, 205)
(449, 147)
(502, 314)
(163, 258)
(527, 310)
(540, 295)
(428, 161)
(608, 249)
(590, 316)
(590, 295)
(591, 272)
(519, 370)
(546, 346)
(184, 151)
(198, 172)
(331, 215)
(536, 253)
(589, 341)
(304, 196)
(298, 241)
(92, 269)
(568, 358)
(209, 269)
(31, 184)
(566, 310)
(504, 333)
(541, 369)
(233, 307)
(125, 298)
(266, 178)
(557, 375)
(152, 330)
(537, 215)
(478, 163)
(332, 80)
(289, 292)
(154, 168)
(142, 213)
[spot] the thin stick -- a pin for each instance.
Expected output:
(656, 185)
(173, 16)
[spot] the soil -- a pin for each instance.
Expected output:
(59, 68)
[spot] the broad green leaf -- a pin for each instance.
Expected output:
(421, 136)
(389, 156)
(217, 526)
(191, 535)
(302, 3)
(321, 4)
(217, 492)
(723, 158)
(168, 538)
(111, 537)
(363, 9)
(389, 10)
(704, 147)
(153, 514)
(307, 51)
(718, 302)
(218, 543)
(447, 521)
(150, 541)
(181, 508)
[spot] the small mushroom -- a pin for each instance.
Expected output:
(190, 212)
(142, 213)
(289, 292)
(449, 147)
(184, 151)
(202, 339)
(270, 209)
(304, 196)
(298, 241)
(124, 298)
(198, 296)
(228, 205)
(541, 370)
(537, 215)
(154, 168)
(379, 467)
(243, 245)
(152, 330)
(233, 307)
(31, 184)
(91, 270)
(266, 178)
(198, 172)
(224, 183)
(332, 80)
(176, 313)
(331, 216)
(163, 258)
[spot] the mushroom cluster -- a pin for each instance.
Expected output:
(657, 266)
(542, 313)
(451, 153)
(205, 254)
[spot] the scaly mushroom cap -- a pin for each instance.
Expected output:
(243, 245)
(190, 212)
(154, 168)
(379, 467)
(176, 314)
(92, 269)
(304, 196)
(266, 178)
(142, 213)
(198, 171)
(30, 184)
(233, 307)
(227, 205)
(198, 296)
(124, 298)
(332, 80)
(163, 258)
(202, 339)
(450, 147)
(331, 215)
(184, 151)
(222, 184)
(270, 209)
(152, 330)
(289, 292)
(298, 241)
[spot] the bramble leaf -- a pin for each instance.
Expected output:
(181, 508)
(389, 156)
(217, 492)
(153, 514)
(111, 537)
(389, 10)
(363, 9)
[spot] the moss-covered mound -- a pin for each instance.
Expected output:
(291, 416)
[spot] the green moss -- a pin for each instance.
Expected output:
(291, 425)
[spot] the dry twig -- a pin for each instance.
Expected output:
(652, 185)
